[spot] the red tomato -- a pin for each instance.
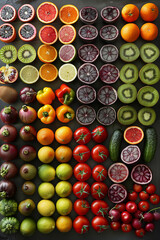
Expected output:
(154, 199)
(132, 196)
(99, 173)
(81, 207)
(137, 187)
(131, 207)
(115, 225)
(81, 153)
(143, 206)
(82, 135)
(151, 189)
(81, 190)
(99, 207)
(143, 195)
(140, 232)
(99, 134)
(126, 217)
(121, 207)
(99, 153)
(100, 224)
(126, 227)
(82, 171)
(99, 190)
(81, 224)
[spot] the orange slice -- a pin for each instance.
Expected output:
(48, 72)
(67, 34)
(47, 54)
(47, 12)
(133, 135)
(48, 34)
(68, 14)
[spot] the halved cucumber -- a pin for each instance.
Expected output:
(127, 93)
(129, 52)
(127, 115)
(148, 96)
(149, 52)
(129, 73)
(149, 74)
(146, 116)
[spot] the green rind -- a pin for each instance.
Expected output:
(14, 53)
(130, 67)
(143, 54)
(125, 87)
(143, 74)
(22, 49)
(147, 89)
(115, 144)
(151, 120)
(129, 47)
(150, 144)
(128, 121)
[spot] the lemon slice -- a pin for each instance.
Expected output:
(29, 74)
(67, 72)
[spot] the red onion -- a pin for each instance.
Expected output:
(7, 189)
(9, 115)
(27, 114)
(28, 133)
(8, 133)
(27, 95)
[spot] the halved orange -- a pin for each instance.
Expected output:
(47, 54)
(67, 34)
(133, 135)
(47, 12)
(48, 34)
(48, 72)
(68, 14)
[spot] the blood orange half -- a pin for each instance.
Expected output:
(118, 172)
(47, 12)
(48, 34)
(133, 135)
(68, 14)
(67, 34)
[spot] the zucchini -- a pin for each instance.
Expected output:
(115, 144)
(150, 144)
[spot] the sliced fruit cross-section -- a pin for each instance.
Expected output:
(48, 35)
(47, 12)
(67, 34)
(88, 73)
(109, 53)
(117, 193)
(67, 53)
(26, 13)
(86, 94)
(8, 13)
(127, 93)
(129, 52)
(68, 14)
(26, 53)
(118, 172)
(8, 54)
(27, 32)
(67, 72)
(141, 174)
(88, 33)
(48, 72)
(106, 115)
(88, 53)
(107, 95)
(8, 74)
(149, 52)
(110, 14)
(88, 15)
(130, 154)
(109, 32)
(147, 116)
(7, 33)
(148, 96)
(47, 53)
(127, 115)
(149, 74)
(29, 74)
(129, 73)
(109, 73)
(85, 115)
(133, 135)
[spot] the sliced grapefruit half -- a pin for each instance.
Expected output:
(133, 135)
(67, 34)
(48, 34)
(47, 12)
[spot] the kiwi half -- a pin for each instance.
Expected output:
(127, 93)
(127, 115)
(148, 96)
(26, 53)
(129, 73)
(149, 74)
(129, 52)
(8, 54)
(149, 52)
(146, 116)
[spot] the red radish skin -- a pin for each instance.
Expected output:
(148, 217)
(114, 215)
(149, 227)
(8, 133)
(136, 223)
(8, 152)
(156, 216)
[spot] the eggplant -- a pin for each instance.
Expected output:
(7, 189)
(8, 170)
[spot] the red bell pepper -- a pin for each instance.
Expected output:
(65, 94)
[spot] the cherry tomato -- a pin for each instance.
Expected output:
(143, 206)
(99, 153)
(143, 195)
(81, 190)
(99, 173)
(81, 224)
(126, 227)
(81, 153)
(131, 207)
(137, 187)
(99, 190)
(151, 189)
(140, 232)
(82, 171)
(99, 208)
(132, 196)
(154, 199)
(82, 135)
(115, 225)
(100, 223)
(99, 134)
(81, 207)
(126, 217)
(121, 207)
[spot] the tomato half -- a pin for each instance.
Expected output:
(99, 153)
(82, 135)
(81, 224)
(82, 171)
(81, 153)
(99, 134)
(99, 190)
(81, 207)
(81, 190)
(99, 173)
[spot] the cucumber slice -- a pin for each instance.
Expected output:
(129, 73)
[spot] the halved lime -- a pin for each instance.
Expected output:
(67, 72)
(67, 53)
(29, 74)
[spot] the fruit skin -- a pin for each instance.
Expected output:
(99, 190)
(45, 225)
(47, 13)
(65, 113)
(82, 135)
(143, 195)
(115, 226)
(131, 207)
(100, 224)
(115, 144)
(81, 224)
(10, 39)
(26, 207)
(82, 172)
(149, 12)
(63, 154)
(150, 144)
(45, 96)
(137, 188)
(126, 217)
(46, 154)
(149, 31)
(130, 13)
(125, 227)
(63, 189)
(46, 114)
(130, 32)
(136, 223)
(120, 207)
(81, 207)
(140, 232)
(46, 208)
(64, 206)
(81, 153)
(99, 208)
(28, 188)
(45, 136)
(28, 227)
(27, 114)
(64, 171)
(99, 173)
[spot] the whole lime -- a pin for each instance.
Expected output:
(63, 188)
(46, 225)
(64, 206)
(46, 190)
(28, 227)
(46, 173)
(64, 171)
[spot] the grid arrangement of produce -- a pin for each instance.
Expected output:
(120, 206)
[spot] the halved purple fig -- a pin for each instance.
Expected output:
(117, 193)
(118, 172)
(109, 53)
(141, 174)
(85, 115)
(110, 14)
(86, 94)
(107, 95)
(88, 73)
(109, 32)
(88, 53)
(106, 115)
(88, 32)
(88, 15)
(130, 154)
(109, 73)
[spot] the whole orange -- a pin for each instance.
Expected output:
(130, 32)
(45, 136)
(63, 135)
(149, 12)
(149, 31)
(63, 154)
(130, 13)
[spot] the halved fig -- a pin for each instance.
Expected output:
(88, 15)
(107, 95)
(109, 32)
(117, 193)
(88, 73)
(86, 94)
(110, 14)
(8, 74)
(141, 174)
(130, 154)
(109, 73)
(8, 13)
(109, 53)
(118, 172)
(106, 115)
(88, 33)
(7, 33)
(88, 53)
(85, 115)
